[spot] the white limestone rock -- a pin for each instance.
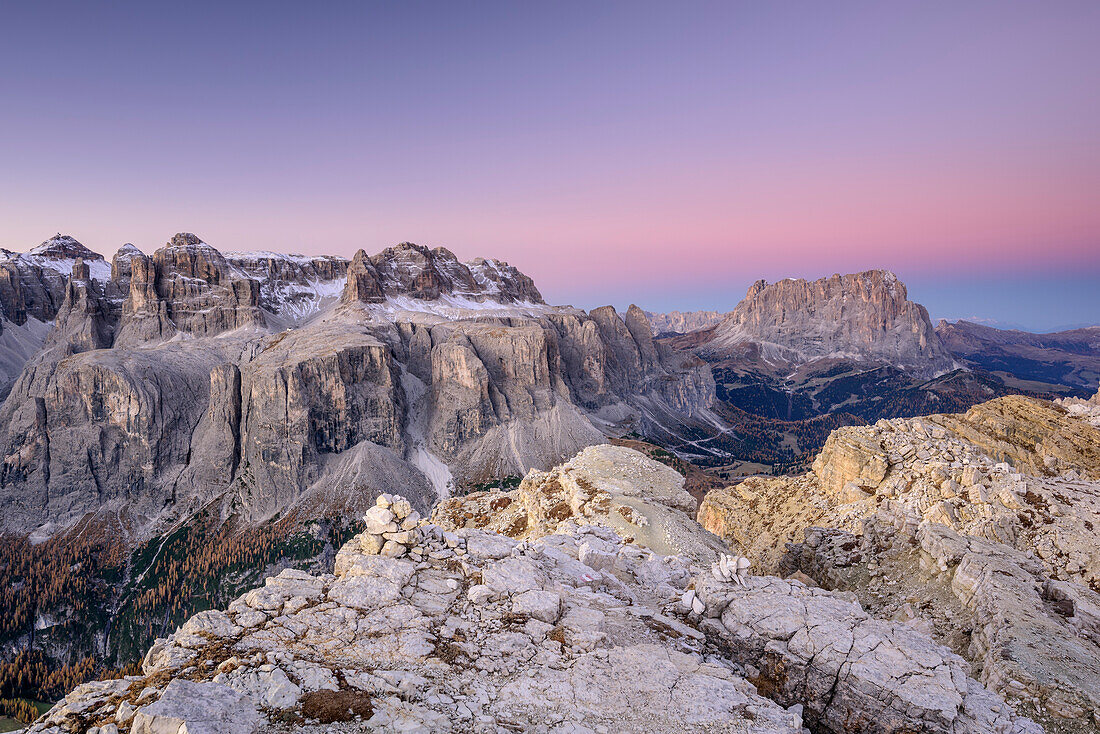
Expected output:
(187, 707)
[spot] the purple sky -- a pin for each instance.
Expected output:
(661, 153)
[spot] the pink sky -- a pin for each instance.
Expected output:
(664, 154)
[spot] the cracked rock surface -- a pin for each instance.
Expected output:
(849, 671)
(1029, 636)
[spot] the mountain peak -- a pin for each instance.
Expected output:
(185, 239)
(64, 247)
(864, 316)
(408, 269)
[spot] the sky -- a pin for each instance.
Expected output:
(665, 154)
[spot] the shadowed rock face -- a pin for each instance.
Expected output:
(263, 381)
(187, 288)
(863, 316)
(33, 283)
(364, 284)
(33, 288)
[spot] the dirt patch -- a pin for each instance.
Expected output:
(448, 652)
(331, 706)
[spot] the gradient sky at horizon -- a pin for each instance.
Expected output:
(667, 154)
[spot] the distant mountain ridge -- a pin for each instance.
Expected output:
(1065, 358)
(681, 322)
(846, 345)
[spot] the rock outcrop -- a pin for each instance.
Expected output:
(1033, 638)
(1015, 470)
(1085, 410)
(862, 316)
(33, 288)
(187, 288)
(420, 629)
(981, 527)
(823, 652)
(32, 284)
(605, 486)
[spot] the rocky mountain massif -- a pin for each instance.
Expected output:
(193, 421)
(183, 377)
(979, 528)
(863, 317)
(424, 629)
(189, 394)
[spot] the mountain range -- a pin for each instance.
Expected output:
(193, 404)
(270, 382)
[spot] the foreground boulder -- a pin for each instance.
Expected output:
(421, 629)
(1034, 638)
(608, 486)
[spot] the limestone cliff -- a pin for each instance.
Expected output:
(863, 316)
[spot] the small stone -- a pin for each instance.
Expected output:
(371, 544)
(598, 554)
(124, 712)
(393, 549)
(401, 508)
(379, 514)
(538, 604)
(479, 594)
(978, 494)
(405, 537)
(379, 520)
